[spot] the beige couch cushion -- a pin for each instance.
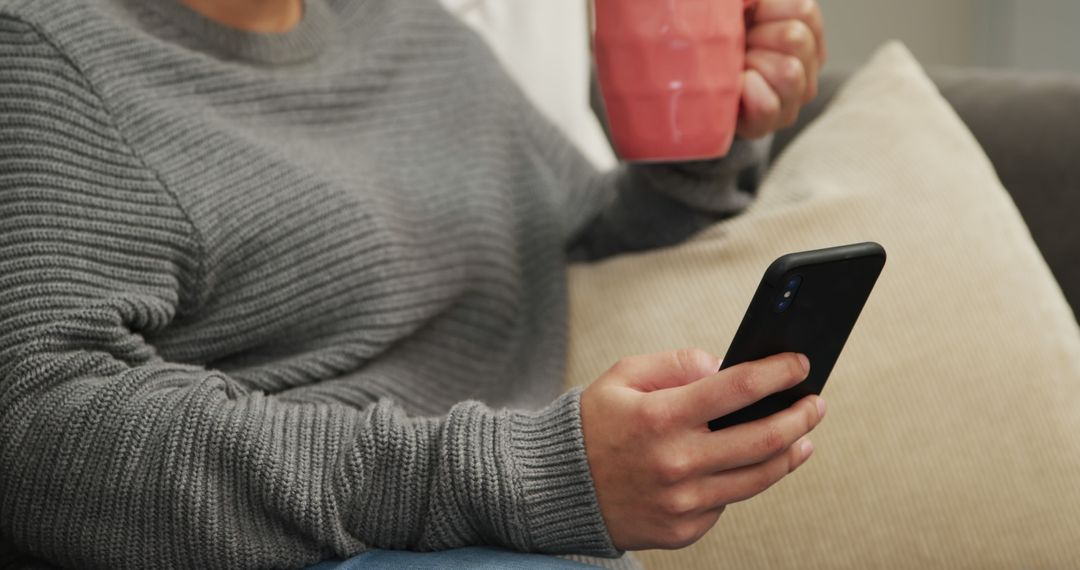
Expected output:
(953, 436)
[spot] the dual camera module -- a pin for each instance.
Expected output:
(787, 296)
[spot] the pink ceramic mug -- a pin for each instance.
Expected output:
(670, 73)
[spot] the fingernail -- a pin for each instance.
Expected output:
(806, 449)
(820, 407)
(805, 363)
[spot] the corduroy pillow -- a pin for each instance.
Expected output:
(953, 435)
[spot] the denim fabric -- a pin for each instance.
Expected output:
(473, 557)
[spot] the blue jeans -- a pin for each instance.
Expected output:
(470, 557)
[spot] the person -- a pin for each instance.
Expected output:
(284, 282)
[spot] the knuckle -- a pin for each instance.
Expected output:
(763, 481)
(770, 114)
(672, 468)
(745, 383)
(683, 534)
(694, 359)
(656, 415)
(763, 114)
(791, 70)
(622, 365)
(679, 503)
(772, 442)
(797, 36)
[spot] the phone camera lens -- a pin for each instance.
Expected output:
(788, 294)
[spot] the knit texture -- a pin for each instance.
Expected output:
(269, 299)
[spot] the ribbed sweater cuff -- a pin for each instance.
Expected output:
(560, 509)
(722, 187)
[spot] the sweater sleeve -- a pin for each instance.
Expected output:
(635, 207)
(644, 206)
(112, 456)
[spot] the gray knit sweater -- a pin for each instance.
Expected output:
(268, 299)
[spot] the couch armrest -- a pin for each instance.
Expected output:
(1029, 126)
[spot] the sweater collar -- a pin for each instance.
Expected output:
(304, 41)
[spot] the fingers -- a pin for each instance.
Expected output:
(735, 388)
(760, 106)
(805, 11)
(773, 90)
(651, 372)
(786, 46)
(761, 440)
(741, 484)
(712, 493)
(786, 75)
(790, 37)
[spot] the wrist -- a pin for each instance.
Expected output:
(558, 507)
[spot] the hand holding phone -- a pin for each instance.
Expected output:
(662, 479)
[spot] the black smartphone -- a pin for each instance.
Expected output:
(807, 302)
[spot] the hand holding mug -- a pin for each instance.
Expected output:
(680, 78)
(785, 42)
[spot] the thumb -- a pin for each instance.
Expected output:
(651, 372)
